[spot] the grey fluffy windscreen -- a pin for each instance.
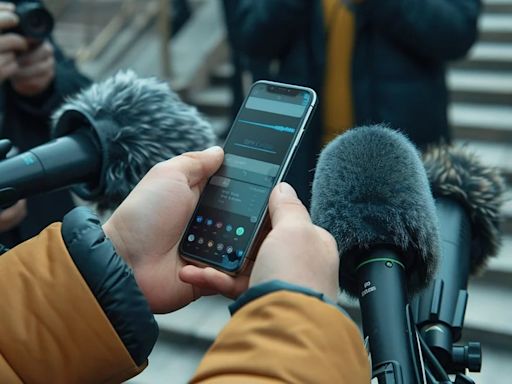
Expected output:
(148, 123)
(371, 190)
(457, 173)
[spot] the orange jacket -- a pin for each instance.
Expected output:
(287, 337)
(53, 330)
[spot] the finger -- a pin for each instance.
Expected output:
(209, 281)
(40, 69)
(7, 57)
(285, 207)
(198, 166)
(8, 68)
(13, 211)
(41, 53)
(13, 42)
(6, 6)
(8, 19)
(13, 215)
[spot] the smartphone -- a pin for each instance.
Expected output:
(258, 151)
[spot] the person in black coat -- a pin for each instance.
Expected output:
(399, 63)
(34, 80)
(282, 40)
(400, 52)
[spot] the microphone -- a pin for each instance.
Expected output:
(107, 138)
(372, 194)
(468, 197)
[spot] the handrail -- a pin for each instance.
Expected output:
(112, 29)
(128, 14)
(57, 7)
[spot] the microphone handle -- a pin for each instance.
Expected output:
(59, 163)
(387, 320)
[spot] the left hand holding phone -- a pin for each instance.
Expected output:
(148, 225)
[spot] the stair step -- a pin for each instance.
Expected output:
(222, 74)
(488, 56)
(499, 269)
(214, 101)
(174, 359)
(497, 155)
(506, 225)
(124, 50)
(200, 46)
(203, 319)
(497, 6)
(495, 27)
(481, 122)
(488, 310)
(477, 86)
(488, 315)
(83, 13)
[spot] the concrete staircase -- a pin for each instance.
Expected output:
(480, 115)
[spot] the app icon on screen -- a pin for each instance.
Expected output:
(240, 231)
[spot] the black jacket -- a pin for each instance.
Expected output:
(401, 51)
(398, 67)
(111, 281)
(26, 122)
(282, 40)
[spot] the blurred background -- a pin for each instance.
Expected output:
(188, 45)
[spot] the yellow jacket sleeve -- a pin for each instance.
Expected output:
(52, 330)
(287, 337)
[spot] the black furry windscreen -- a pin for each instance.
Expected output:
(140, 122)
(457, 173)
(371, 190)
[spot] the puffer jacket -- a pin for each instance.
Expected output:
(72, 313)
(71, 309)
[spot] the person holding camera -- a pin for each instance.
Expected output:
(35, 77)
(77, 300)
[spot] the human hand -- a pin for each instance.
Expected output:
(12, 216)
(148, 225)
(295, 251)
(10, 44)
(36, 70)
(310, 260)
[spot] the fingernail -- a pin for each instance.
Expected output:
(215, 148)
(287, 189)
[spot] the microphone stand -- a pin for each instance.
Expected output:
(434, 318)
(440, 309)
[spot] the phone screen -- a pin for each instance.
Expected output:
(257, 150)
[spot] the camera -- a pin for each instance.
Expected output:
(36, 22)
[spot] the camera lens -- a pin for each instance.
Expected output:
(35, 21)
